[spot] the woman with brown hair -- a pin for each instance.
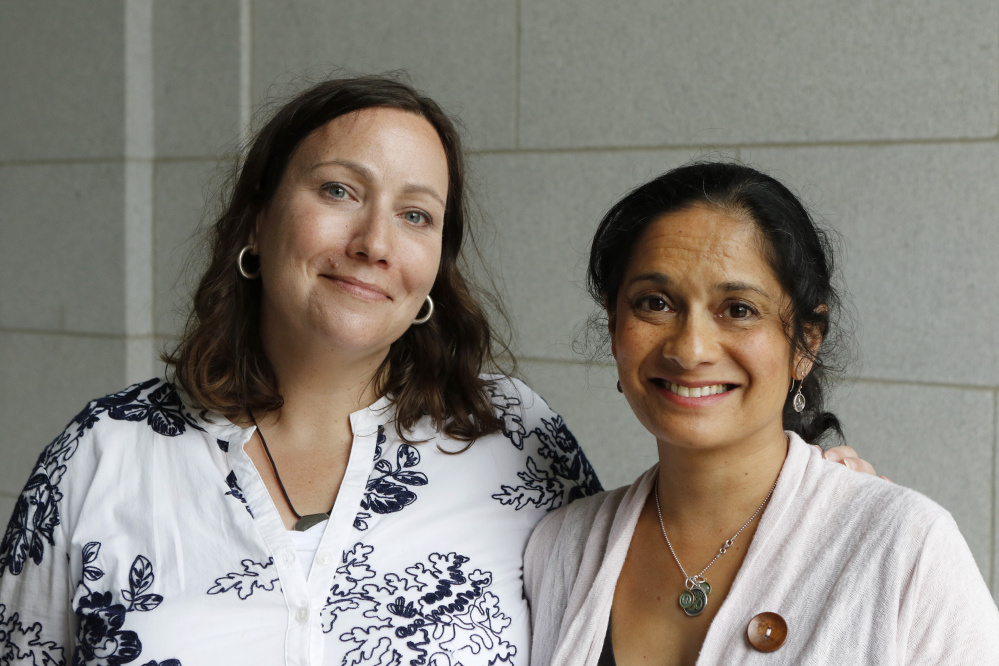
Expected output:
(291, 496)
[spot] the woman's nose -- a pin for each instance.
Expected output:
(371, 236)
(690, 341)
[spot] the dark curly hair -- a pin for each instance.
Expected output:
(798, 251)
(434, 369)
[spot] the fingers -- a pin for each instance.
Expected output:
(845, 455)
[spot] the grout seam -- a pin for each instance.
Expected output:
(994, 562)
(859, 143)
(516, 76)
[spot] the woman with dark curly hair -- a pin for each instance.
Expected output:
(742, 540)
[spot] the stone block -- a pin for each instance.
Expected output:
(541, 211)
(62, 245)
(919, 228)
(7, 503)
(185, 194)
(63, 78)
(463, 54)
(196, 62)
(47, 380)
(666, 73)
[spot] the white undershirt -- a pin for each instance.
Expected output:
(307, 543)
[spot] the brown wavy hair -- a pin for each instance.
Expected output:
(433, 369)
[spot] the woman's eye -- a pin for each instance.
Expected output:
(336, 190)
(653, 303)
(415, 217)
(740, 311)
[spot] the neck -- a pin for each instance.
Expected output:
(705, 490)
(320, 391)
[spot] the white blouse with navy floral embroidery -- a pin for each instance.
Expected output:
(146, 535)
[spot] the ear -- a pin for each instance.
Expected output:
(813, 336)
(255, 229)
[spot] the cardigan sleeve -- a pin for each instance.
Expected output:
(953, 618)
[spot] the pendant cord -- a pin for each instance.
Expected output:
(699, 578)
(274, 468)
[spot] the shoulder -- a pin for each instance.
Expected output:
(570, 525)
(154, 405)
(555, 470)
(149, 409)
(881, 502)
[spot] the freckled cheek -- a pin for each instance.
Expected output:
(766, 358)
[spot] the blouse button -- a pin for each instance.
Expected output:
(287, 557)
(324, 559)
(302, 614)
(767, 632)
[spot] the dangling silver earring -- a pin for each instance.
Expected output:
(430, 311)
(799, 399)
(239, 264)
(619, 389)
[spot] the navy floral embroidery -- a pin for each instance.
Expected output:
(100, 638)
(21, 644)
(254, 576)
(222, 444)
(439, 614)
(235, 491)
(387, 490)
(36, 512)
(560, 474)
(508, 407)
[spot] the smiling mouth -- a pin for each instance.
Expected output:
(693, 391)
(358, 287)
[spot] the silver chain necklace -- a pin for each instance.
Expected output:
(694, 599)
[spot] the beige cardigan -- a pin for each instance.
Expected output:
(863, 571)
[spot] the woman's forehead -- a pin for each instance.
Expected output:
(702, 242)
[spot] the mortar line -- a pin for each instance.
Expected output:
(516, 76)
(993, 582)
(97, 161)
(720, 146)
(93, 335)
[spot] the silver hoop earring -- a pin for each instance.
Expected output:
(239, 264)
(430, 311)
(799, 399)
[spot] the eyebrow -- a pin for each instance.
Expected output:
(368, 174)
(663, 279)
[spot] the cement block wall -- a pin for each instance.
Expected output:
(117, 117)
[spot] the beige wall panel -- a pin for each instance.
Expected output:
(62, 246)
(47, 380)
(463, 54)
(541, 211)
(6, 508)
(62, 73)
(196, 62)
(185, 193)
(920, 225)
(655, 72)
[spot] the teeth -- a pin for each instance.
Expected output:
(696, 391)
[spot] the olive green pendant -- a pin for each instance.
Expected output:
(694, 600)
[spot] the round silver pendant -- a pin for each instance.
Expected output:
(695, 600)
